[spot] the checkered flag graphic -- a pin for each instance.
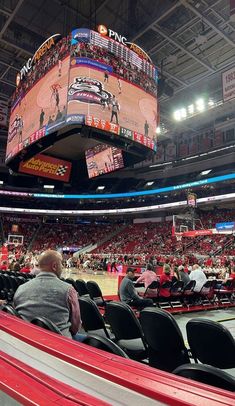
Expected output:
(61, 170)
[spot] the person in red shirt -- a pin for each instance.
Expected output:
(165, 277)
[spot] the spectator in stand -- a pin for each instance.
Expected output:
(198, 275)
(128, 293)
(48, 296)
(183, 276)
(148, 276)
(165, 277)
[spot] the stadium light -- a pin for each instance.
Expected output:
(48, 186)
(191, 109)
(158, 130)
(200, 103)
(1, 182)
(150, 183)
(177, 115)
(183, 113)
(100, 187)
(211, 103)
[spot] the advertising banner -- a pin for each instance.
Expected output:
(48, 167)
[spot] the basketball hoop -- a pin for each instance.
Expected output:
(178, 237)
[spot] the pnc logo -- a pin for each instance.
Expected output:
(102, 29)
(111, 34)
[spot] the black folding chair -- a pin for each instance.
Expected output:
(92, 320)
(154, 286)
(207, 374)
(188, 294)
(105, 344)
(211, 343)
(96, 293)
(81, 287)
(46, 324)
(10, 310)
(127, 329)
(165, 342)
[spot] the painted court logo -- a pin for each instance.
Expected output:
(88, 90)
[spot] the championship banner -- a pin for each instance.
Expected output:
(228, 83)
(48, 167)
(3, 113)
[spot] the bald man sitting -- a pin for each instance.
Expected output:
(47, 296)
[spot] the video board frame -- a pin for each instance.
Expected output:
(55, 117)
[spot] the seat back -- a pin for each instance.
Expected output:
(164, 339)
(94, 290)
(177, 287)
(104, 344)
(207, 374)
(46, 323)
(189, 287)
(10, 310)
(155, 285)
(208, 288)
(124, 324)
(211, 343)
(81, 287)
(91, 317)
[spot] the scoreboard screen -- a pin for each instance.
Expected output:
(87, 79)
(103, 159)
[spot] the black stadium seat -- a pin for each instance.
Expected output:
(92, 320)
(46, 324)
(207, 374)
(165, 342)
(211, 343)
(127, 329)
(81, 287)
(96, 293)
(105, 344)
(10, 310)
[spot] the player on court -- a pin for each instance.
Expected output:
(55, 94)
(106, 76)
(115, 109)
(119, 86)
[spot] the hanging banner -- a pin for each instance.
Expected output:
(228, 84)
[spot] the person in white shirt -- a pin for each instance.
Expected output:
(198, 275)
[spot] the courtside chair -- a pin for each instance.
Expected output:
(105, 344)
(127, 329)
(206, 294)
(224, 292)
(92, 320)
(154, 286)
(164, 339)
(46, 324)
(96, 293)
(188, 294)
(207, 374)
(81, 287)
(211, 343)
(176, 292)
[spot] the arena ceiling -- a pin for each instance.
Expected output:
(192, 41)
